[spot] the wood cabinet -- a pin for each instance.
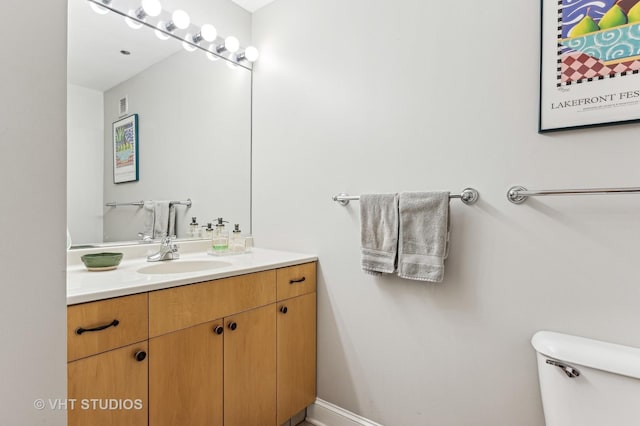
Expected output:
(107, 370)
(106, 324)
(250, 368)
(180, 307)
(109, 388)
(296, 349)
(237, 351)
(185, 377)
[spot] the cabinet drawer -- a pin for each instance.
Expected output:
(107, 324)
(296, 280)
(180, 307)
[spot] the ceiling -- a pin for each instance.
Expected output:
(252, 5)
(95, 41)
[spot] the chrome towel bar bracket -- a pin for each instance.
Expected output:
(468, 196)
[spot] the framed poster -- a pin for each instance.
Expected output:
(590, 63)
(125, 149)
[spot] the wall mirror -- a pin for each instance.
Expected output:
(194, 124)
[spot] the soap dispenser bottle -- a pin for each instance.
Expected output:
(220, 239)
(236, 241)
(208, 232)
(194, 229)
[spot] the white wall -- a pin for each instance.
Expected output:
(379, 96)
(85, 147)
(32, 170)
(195, 142)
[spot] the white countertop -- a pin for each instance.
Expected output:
(87, 286)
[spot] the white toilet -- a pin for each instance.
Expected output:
(587, 382)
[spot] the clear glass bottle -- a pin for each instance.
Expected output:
(194, 229)
(236, 240)
(208, 232)
(220, 239)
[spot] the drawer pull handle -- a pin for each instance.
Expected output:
(284, 310)
(299, 280)
(113, 323)
(218, 329)
(232, 326)
(140, 356)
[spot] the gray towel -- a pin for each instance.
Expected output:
(164, 222)
(379, 232)
(424, 235)
(149, 218)
(172, 220)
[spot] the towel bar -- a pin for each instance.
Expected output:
(468, 196)
(519, 194)
(133, 203)
(187, 203)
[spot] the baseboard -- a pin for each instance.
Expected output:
(323, 413)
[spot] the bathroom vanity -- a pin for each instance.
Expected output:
(233, 344)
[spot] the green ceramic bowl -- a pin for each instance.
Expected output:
(101, 261)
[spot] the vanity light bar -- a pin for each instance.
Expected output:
(190, 42)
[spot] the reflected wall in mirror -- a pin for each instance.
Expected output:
(194, 123)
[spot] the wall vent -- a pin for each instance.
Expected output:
(124, 106)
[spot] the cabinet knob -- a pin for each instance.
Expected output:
(218, 329)
(232, 326)
(284, 309)
(140, 356)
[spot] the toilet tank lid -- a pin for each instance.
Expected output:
(619, 359)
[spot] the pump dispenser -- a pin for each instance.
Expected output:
(220, 240)
(208, 232)
(236, 241)
(194, 230)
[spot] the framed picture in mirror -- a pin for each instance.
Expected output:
(125, 149)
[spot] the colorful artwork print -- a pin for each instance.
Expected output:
(125, 149)
(125, 144)
(589, 63)
(598, 40)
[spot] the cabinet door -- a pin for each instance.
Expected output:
(109, 389)
(185, 377)
(250, 368)
(296, 355)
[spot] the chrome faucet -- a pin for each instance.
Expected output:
(168, 251)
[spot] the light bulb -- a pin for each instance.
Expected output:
(210, 55)
(251, 54)
(98, 9)
(151, 7)
(160, 34)
(208, 32)
(130, 22)
(188, 47)
(231, 44)
(180, 19)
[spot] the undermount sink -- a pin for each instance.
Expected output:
(182, 266)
